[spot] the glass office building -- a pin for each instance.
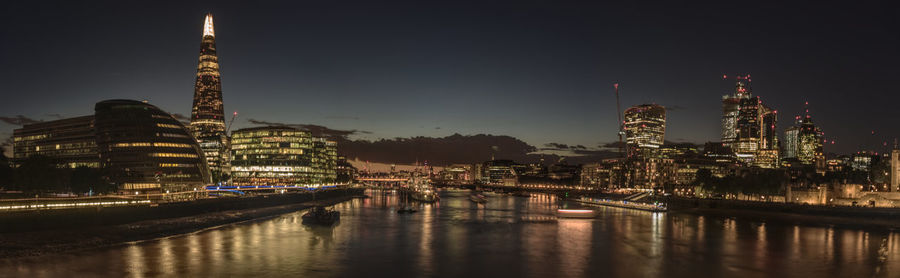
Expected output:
(280, 155)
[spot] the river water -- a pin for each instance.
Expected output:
(506, 237)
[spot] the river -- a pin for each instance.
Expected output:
(506, 237)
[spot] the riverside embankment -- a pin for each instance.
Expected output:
(787, 212)
(32, 233)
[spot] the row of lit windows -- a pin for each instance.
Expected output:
(31, 137)
(168, 126)
(172, 135)
(133, 186)
(176, 165)
(183, 155)
(154, 144)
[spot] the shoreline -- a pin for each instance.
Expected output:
(29, 245)
(794, 218)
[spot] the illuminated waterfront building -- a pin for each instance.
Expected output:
(278, 155)
(645, 129)
(69, 141)
(143, 148)
(139, 147)
(207, 114)
(608, 174)
(499, 172)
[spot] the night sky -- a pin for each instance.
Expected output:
(540, 71)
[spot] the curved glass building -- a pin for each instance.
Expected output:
(143, 148)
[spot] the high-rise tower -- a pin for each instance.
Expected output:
(645, 129)
(207, 114)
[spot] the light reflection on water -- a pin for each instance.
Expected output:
(506, 237)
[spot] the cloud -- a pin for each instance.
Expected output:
(18, 120)
(58, 116)
(181, 118)
(316, 130)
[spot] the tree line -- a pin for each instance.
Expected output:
(41, 175)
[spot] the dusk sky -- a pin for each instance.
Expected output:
(538, 72)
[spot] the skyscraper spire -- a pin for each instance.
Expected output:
(208, 26)
(207, 114)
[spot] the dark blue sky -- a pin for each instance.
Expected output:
(541, 71)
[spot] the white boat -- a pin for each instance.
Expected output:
(576, 213)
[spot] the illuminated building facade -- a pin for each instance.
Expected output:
(731, 105)
(809, 143)
(499, 172)
(143, 148)
(207, 114)
(791, 141)
(645, 129)
(278, 155)
(749, 127)
(69, 141)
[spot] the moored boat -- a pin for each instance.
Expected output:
(576, 213)
(321, 215)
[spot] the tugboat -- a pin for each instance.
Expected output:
(322, 216)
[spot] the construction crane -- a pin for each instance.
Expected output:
(619, 116)
(233, 116)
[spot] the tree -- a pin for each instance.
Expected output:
(6, 172)
(85, 179)
(39, 174)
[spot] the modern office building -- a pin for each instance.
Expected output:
(749, 126)
(71, 142)
(809, 144)
(143, 148)
(207, 114)
(139, 147)
(731, 105)
(499, 172)
(280, 155)
(791, 141)
(645, 129)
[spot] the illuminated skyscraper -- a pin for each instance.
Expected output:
(731, 107)
(804, 142)
(748, 126)
(207, 115)
(645, 129)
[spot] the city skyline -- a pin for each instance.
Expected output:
(563, 98)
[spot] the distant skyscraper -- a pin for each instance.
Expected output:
(791, 142)
(809, 143)
(895, 168)
(645, 129)
(748, 126)
(731, 109)
(207, 115)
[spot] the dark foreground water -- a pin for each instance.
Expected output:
(509, 237)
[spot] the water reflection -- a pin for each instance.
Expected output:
(508, 236)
